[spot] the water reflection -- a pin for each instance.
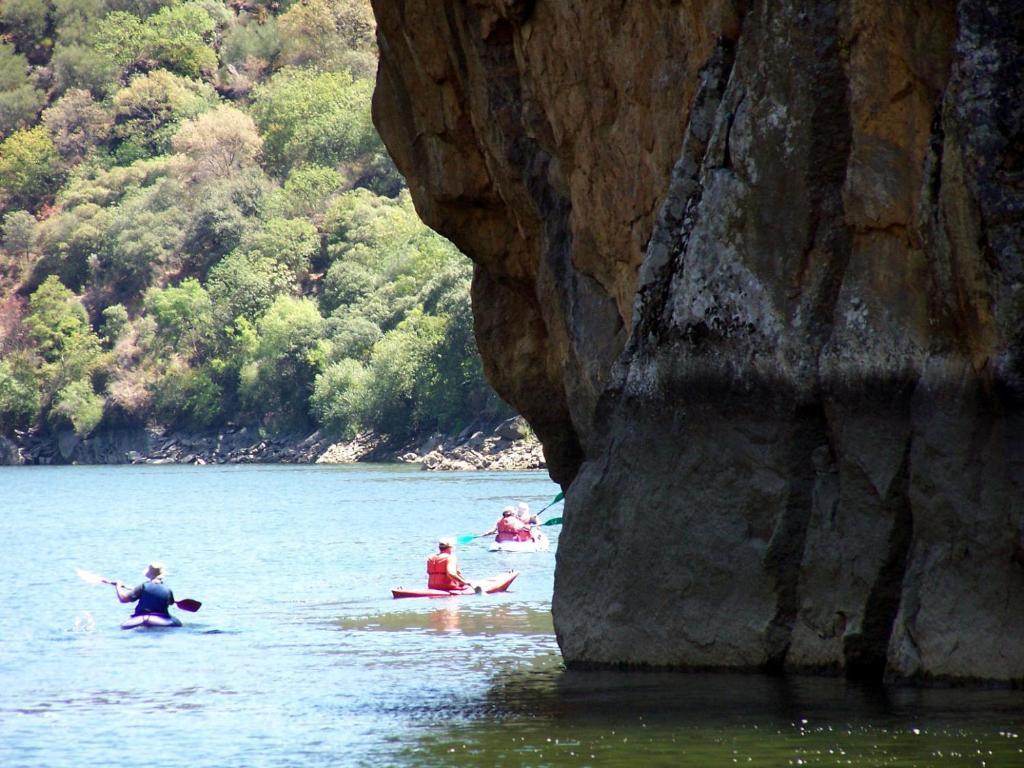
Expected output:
(453, 616)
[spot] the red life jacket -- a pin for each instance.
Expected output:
(437, 572)
(511, 528)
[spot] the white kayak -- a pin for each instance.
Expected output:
(151, 620)
(539, 543)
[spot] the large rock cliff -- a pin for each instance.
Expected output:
(754, 271)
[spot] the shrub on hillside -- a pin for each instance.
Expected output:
(19, 392)
(30, 168)
(314, 117)
(338, 399)
(20, 100)
(186, 397)
(245, 285)
(279, 379)
(78, 404)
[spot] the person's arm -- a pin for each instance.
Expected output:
(125, 595)
(454, 574)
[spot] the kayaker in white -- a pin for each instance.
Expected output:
(524, 514)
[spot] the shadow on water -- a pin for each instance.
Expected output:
(530, 710)
(558, 717)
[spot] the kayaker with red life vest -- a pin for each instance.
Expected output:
(443, 568)
(152, 595)
(509, 527)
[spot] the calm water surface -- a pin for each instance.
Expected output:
(299, 655)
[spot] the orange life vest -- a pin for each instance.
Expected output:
(511, 528)
(437, 572)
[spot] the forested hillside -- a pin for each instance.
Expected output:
(200, 225)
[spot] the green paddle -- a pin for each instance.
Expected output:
(465, 539)
(554, 501)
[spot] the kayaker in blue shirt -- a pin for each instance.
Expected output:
(152, 595)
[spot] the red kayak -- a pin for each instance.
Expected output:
(490, 586)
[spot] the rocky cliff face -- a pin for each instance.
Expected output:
(754, 271)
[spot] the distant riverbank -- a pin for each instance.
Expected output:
(507, 445)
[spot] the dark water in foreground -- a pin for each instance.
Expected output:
(299, 655)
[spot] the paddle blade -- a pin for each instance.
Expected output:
(553, 521)
(558, 498)
(188, 605)
(465, 539)
(91, 578)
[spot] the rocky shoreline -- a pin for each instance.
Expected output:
(505, 446)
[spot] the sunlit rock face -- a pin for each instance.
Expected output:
(754, 273)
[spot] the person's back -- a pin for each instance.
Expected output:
(156, 597)
(511, 528)
(443, 568)
(153, 596)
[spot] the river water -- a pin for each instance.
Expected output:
(299, 656)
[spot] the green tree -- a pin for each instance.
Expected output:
(339, 394)
(179, 38)
(19, 392)
(219, 220)
(187, 397)
(75, 21)
(30, 167)
(120, 37)
(288, 356)
(351, 335)
(20, 100)
(144, 237)
(79, 404)
(70, 240)
(306, 192)
(381, 224)
(20, 234)
(314, 117)
(56, 319)
(244, 284)
(184, 316)
(59, 328)
(292, 242)
(92, 183)
(400, 374)
(77, 65)
(115, 323)
(25, 21)
(348, 283)
(249, 40)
